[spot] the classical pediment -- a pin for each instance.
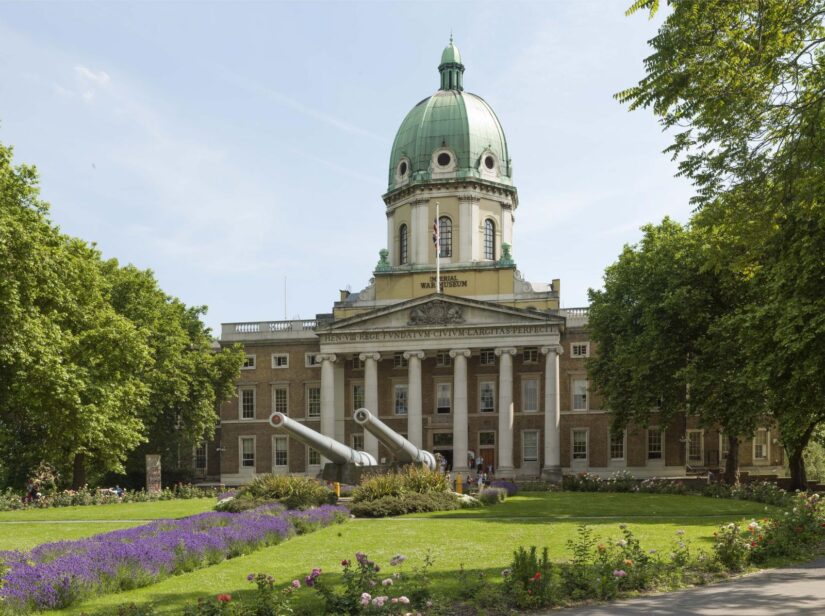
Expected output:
(437, 322)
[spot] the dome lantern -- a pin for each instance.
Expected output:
(451, 68)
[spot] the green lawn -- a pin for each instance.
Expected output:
(478, 539)
(22, 530)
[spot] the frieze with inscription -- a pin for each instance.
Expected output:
(451, 332)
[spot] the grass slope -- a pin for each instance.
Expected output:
(481, 540)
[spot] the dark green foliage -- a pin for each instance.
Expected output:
(387, 506)
(294, 492)
(411, 479)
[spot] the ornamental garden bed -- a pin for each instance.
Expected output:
(56, 575)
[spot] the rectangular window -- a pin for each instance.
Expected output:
(313, 400)
(487, 397)
(248, 362)
(530, 445)
(357, 396)
(617, 446)
(357, 364)
(724, 446)
(247, 396)
(247, 452)
(530, 355)
(486, 439)
(280, 400)
(654, 444)
(443, 398)
(580, 349)
(760, 445)
(401, 397)
(281, 451)
(442, 439)
(311, 360)
(579, 394)
(580, 444)
(530, 395)
(488, 357)
(694, 446)
(200, 457)
(313, 457)
(398, 360)
(280, 360)
(443, 359)
(358, 441)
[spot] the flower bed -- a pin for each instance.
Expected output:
(55, 575)
(11, 500)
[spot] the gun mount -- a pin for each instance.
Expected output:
(345, 463)
(400, 448)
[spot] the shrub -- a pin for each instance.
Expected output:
(388, 506)
(529, 579)
(800, 529)
(294, 492)
(509, 486)
(411, 479)
(730, 549)
(492, 496)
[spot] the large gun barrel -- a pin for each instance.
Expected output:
(400, 448)
(326, 446)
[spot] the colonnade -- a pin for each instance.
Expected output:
(460, 407)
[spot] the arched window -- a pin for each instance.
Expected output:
(403, 242)
(445, 229)
(489, 240)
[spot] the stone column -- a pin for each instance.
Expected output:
(414, 421)
(552, 435)
(327, 396)
(505, 412)
(460, 419)
(371, 397)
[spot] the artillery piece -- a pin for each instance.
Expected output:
(345, 465)
(402, 450)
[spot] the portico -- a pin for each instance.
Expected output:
(457, 328)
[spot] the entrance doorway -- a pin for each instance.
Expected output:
(447, 454)
(487, 449)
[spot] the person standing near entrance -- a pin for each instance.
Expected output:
(479, 464)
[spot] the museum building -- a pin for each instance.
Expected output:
(489, 366)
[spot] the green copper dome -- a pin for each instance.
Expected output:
(451, 134)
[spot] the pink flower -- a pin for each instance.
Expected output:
(379, 601)
(296, 584)
(619, 573)
(387, 582)
(365, 598)
(404, 600)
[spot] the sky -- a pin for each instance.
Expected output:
(232, 146)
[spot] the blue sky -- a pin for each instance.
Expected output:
(226, 145)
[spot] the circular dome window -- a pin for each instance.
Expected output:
(489, 162)
(402, 168)
(444, 159)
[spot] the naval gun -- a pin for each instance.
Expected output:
(345, 464)
(402, 450)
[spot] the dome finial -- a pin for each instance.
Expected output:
(451, 68)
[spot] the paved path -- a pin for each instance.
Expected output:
(791, 591)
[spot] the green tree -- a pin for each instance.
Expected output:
(95, 359)
(741, 86)
(187, 378)
(68, 389)
(658, 324)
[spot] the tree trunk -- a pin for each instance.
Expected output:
(796, 462)
(732, 463)
(79, 471)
